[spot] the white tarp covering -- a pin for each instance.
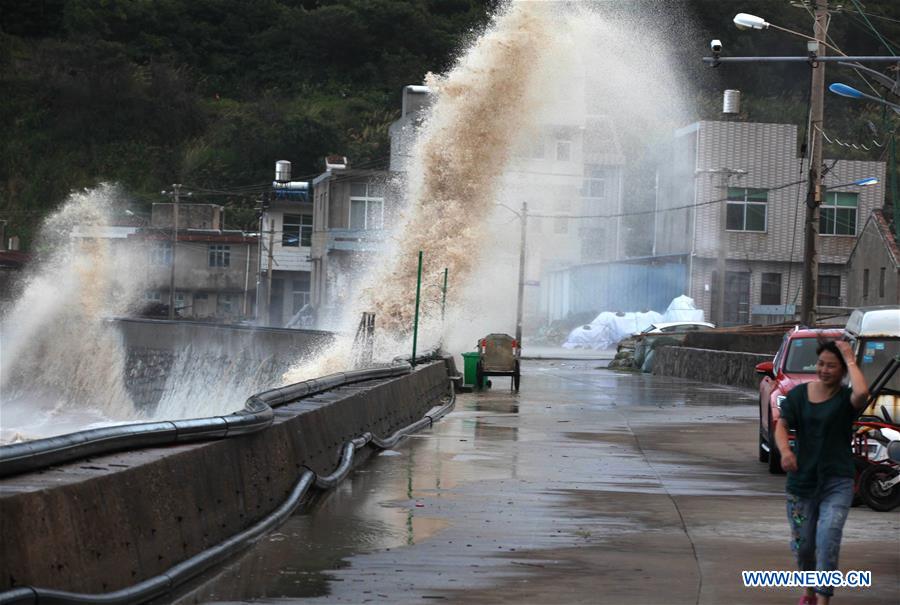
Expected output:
(607, 329)
(682, 309)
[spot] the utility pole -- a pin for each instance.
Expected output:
(269, 272)
(814, 191)
(175, 192)
(721, 259)
(524, 217)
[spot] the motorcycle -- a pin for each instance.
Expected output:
(877, 453)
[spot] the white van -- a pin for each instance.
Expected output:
(875, 332)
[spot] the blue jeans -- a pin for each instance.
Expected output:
(817, 524)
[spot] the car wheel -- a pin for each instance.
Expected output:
(763, 454)
(774, 454)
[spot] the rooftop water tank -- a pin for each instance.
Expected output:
(282, 171)
(292, 190)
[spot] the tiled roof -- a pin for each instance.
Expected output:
(890, 242)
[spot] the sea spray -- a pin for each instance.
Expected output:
(481, 107)
(58, 349)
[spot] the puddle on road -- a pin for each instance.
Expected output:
(298, 560)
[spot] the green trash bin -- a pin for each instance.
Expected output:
(470, 363)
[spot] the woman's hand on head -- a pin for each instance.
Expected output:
(846, 350)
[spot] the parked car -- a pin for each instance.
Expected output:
(795, 363)
(677, 326)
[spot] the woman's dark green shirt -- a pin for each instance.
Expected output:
(824, 431)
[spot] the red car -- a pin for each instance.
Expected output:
(795, 363)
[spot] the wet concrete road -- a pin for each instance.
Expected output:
(589, 486)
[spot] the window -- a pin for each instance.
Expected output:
(801, 357)
(770, 291)
(297, 230)
(746, 210)
(366, 206)
(829, 290)
(161, 254)
(219, 256)
(153, 296)
(179, 300)
(881, 283)
(227, 304)
(594, 182)
(300, 291)
(865, 283)
(837, 215)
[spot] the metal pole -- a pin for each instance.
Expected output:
(519, 303)
(412, 360)
(444, 295)
(835, 59)
(175, 193)
(814, 191)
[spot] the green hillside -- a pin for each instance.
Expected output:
(211, 92)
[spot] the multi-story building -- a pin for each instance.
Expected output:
(286, 228)
(350, 213)
(214, 269)
(733, 194)
(570, 175)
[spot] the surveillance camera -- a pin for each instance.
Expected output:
(716, 46)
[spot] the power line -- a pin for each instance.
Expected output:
(869, 23)
(879, 16)
(655, 211)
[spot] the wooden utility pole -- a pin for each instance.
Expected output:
(814, 191)
(175, 192)
(721, 261)
(269, 272)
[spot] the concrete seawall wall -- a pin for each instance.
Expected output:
(106, 523)
(151, 347)
(260, 343)
(718, 367)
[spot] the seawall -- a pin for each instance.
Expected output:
(151, 345)
(707, 365)
(105, 523)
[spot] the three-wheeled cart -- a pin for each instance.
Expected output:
(498, 356)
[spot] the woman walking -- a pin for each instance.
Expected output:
(820, 467)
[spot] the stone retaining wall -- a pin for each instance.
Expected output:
(106, 523)
(706, 365)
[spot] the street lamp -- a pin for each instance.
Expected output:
(871, 180)
(851, 93)
(747, 21)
